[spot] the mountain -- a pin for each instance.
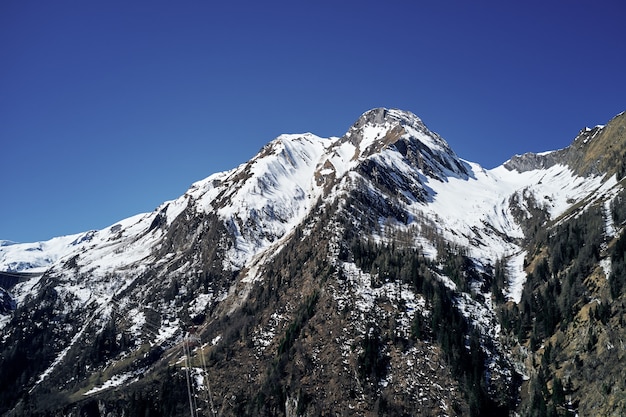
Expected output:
(376, 273)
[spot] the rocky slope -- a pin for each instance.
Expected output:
(375, 273)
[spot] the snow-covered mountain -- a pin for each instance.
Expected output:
(264, 199)
(361, 235)
(38, 256)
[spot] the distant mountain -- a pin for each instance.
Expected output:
(376, 273)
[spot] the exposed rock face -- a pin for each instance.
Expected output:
(531, 161)
(597, 151)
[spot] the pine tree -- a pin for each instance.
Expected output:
(558, 392)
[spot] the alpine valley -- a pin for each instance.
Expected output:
(376, 273)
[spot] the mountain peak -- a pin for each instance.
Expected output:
(381, 127)
(402, 130)
(381, 116)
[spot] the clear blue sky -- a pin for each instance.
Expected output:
(108, 108)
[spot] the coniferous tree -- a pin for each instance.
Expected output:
(558, 392)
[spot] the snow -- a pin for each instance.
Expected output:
(462, 204)
(279, 191)
(371, 133)
(364, 296)
(138, 320)
(264, 336)
(607, 267)
(37, 256)
(167, 331)
(609, 191)
(475, 212)
(438, 145)
(516, 276)
(199, 304)
(609, 226)
(115, 381)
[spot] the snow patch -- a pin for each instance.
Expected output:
(115, 381)
(606, 267)
(516, 276)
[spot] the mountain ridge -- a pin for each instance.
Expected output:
(586, 154)
(383, 237)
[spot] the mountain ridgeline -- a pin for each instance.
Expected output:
(373, 274)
